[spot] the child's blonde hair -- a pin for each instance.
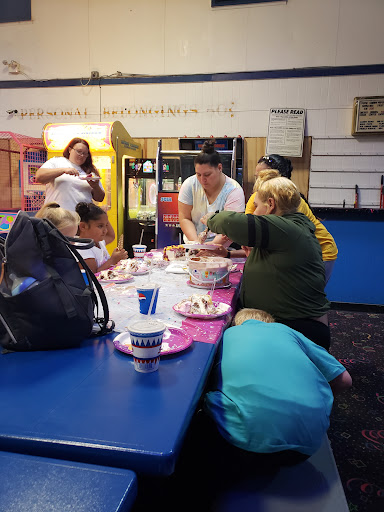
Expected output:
(60, 217)
(282, 190)
(252, 314)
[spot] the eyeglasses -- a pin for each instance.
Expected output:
(80, 153)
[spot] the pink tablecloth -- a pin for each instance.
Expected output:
(210, 331)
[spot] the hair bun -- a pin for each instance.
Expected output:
(209, 146)
(82, 208)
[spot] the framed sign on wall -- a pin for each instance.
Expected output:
(286, 131)
(368, 115)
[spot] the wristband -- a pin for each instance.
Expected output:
(228, 254)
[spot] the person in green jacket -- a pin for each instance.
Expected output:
(284, 272)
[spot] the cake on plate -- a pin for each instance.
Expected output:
(197, 305)
(113, 275)
(173, 252)
(202, 305)
(129, 265)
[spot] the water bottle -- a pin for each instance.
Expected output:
(20, 284)
(85, 277)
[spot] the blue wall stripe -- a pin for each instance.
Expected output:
(370, 69)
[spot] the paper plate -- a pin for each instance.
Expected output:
(177, 268)
(225, 309)
(174, 340)
(140, 272)
(117, 281)
(86, 178)
(209, 285)
(200, 247)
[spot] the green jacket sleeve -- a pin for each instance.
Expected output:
(272, 232)
(233, 225)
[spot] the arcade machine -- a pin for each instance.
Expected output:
(140, 200)
(175, 167)
(143, 204)
(111, 145)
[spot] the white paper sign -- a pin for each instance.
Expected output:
(286, 131)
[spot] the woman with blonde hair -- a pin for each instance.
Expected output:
(284, 273)
(284, 167)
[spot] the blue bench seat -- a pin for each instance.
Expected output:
(29, 483)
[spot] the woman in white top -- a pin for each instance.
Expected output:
(66, 178)
(209, 190)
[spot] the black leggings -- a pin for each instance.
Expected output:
(314, 330)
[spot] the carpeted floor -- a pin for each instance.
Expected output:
(357, 421)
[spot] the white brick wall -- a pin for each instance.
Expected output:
(340, 163)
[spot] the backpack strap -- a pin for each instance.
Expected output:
(104, 329)
(2, 272)
(73, 242)
(42, 235)
(2, 247)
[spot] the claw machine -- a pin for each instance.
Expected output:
(141, 202)
(111, 145)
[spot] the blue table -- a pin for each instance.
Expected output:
(36, 483)
(90, 405)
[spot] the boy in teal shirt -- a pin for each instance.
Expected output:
(274, 389)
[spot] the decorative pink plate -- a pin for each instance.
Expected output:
(224, 309)
(89, 178)
(174, 340)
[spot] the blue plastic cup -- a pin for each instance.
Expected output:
(145, 293)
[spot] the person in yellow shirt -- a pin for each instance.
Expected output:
(326, 241)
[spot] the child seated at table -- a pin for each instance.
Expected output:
(66, 221)
(94, 224)
(273, 393)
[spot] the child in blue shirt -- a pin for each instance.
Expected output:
(274, 389)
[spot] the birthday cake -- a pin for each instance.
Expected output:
(205, 272)
(173, 252)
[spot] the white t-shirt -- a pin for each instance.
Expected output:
(100, 254)
(67, 190)
(231, 197)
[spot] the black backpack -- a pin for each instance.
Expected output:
(57, 309)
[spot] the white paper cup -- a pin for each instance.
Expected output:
(146, 339)
(139, 250)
